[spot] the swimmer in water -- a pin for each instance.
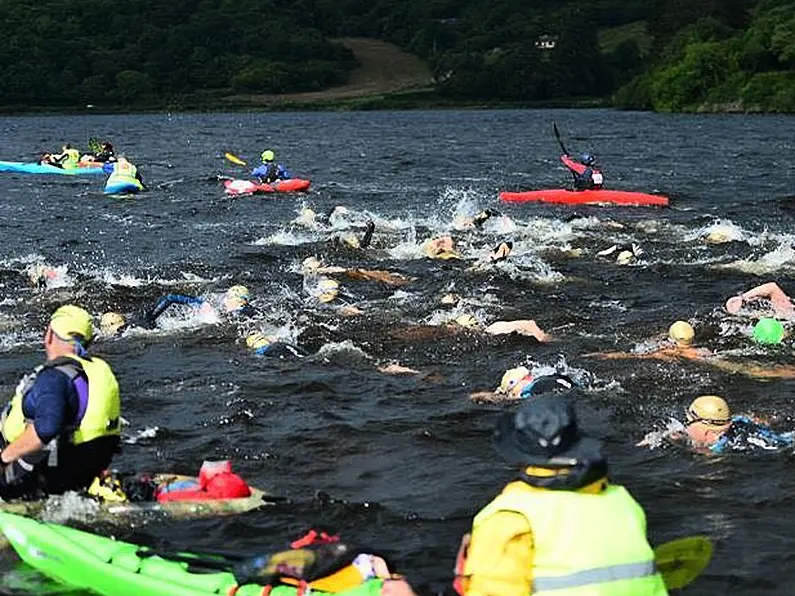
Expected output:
(678, 346)
(766, 299)
(234, 302)
(711, 428)
(624, 254)
(519, 383)
(521, 327)
(441, 247)
(313, 266)
(269, 345)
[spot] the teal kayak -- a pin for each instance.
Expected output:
(43, 168)
(113, 568)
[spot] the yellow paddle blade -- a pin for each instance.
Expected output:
(681, 561)
(234, 159)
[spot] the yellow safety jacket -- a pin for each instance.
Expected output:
(103, 411)
(72, 158)
(585, 543)
(124, 173)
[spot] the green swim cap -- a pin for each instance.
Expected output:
(768, 331)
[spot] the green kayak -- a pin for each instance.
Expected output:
(172, 509)
(108, 567)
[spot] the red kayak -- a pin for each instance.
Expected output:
(586, 197)
(246, 187)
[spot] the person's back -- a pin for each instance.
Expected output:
(561, 525)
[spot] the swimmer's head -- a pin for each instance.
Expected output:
(709, 410)
(768, 331)
(235, 298)
(718, 236)
(328, 289)
(625, 257)
(512, 379)
(39, 274)
(111, 322)
(682, 333)
(351, 241)
(256, 340)
(467, 320)
(310, 264)
(450, 299)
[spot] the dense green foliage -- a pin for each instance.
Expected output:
(647, 54)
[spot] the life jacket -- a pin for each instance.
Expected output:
(584, 543)
(99, 412)
(72, 158)
(216, 481)
(123, 173)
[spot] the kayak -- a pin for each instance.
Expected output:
(121, 188)
(110, 567)
(586, 197)
(172, 509)
(246, 187)
(19, 167)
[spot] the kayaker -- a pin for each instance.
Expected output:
(763, 300)
(67, 159)
(269, 171)
(106, 154)
(62, 427)
(235, 302)
(560, 526)
(122, 172)
(710, 427)
(587, 176)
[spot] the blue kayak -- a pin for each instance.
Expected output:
(43, 168)
(122, 187)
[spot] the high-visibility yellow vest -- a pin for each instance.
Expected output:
(585, 544)
(103, 411)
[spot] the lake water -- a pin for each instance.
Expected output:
(404, 462)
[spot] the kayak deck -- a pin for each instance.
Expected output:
(43, 168)
(563, 196)
(246, 187)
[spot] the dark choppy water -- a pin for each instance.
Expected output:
(406, 461)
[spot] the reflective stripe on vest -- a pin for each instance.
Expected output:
(102, 412)
(595, 576)
(583, 543)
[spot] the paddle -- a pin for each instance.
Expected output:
(557, 136)
(681, 561)
(234, 159)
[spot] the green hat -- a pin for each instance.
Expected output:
(768, 331)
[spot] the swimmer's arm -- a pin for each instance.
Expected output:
(170, 299)
(612, 355)
(770, 290)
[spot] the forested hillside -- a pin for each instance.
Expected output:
(646, 54)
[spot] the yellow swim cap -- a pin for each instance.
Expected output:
(235, 298)
(467, 320)
(682, 333)
(709, 409)
(268, 155)
(328, 289)
(71, 322)
(257, 340)
(449, 299)
(625, 257)
(111, 322)
(511, 377)
(310, 264)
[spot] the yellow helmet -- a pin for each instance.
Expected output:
(709, 409)
(328, 289)
(257, 340)
(72, 323)
(111, 322)
(511, 378)
(268, 155)
(682, 333)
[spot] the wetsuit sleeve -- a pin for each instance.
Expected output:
(170, 299)
(51, 404)
(500, 557)
(574, 166)
(368, 235)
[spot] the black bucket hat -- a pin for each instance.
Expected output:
(544, 432)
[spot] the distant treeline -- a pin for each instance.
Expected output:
(643, 54)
